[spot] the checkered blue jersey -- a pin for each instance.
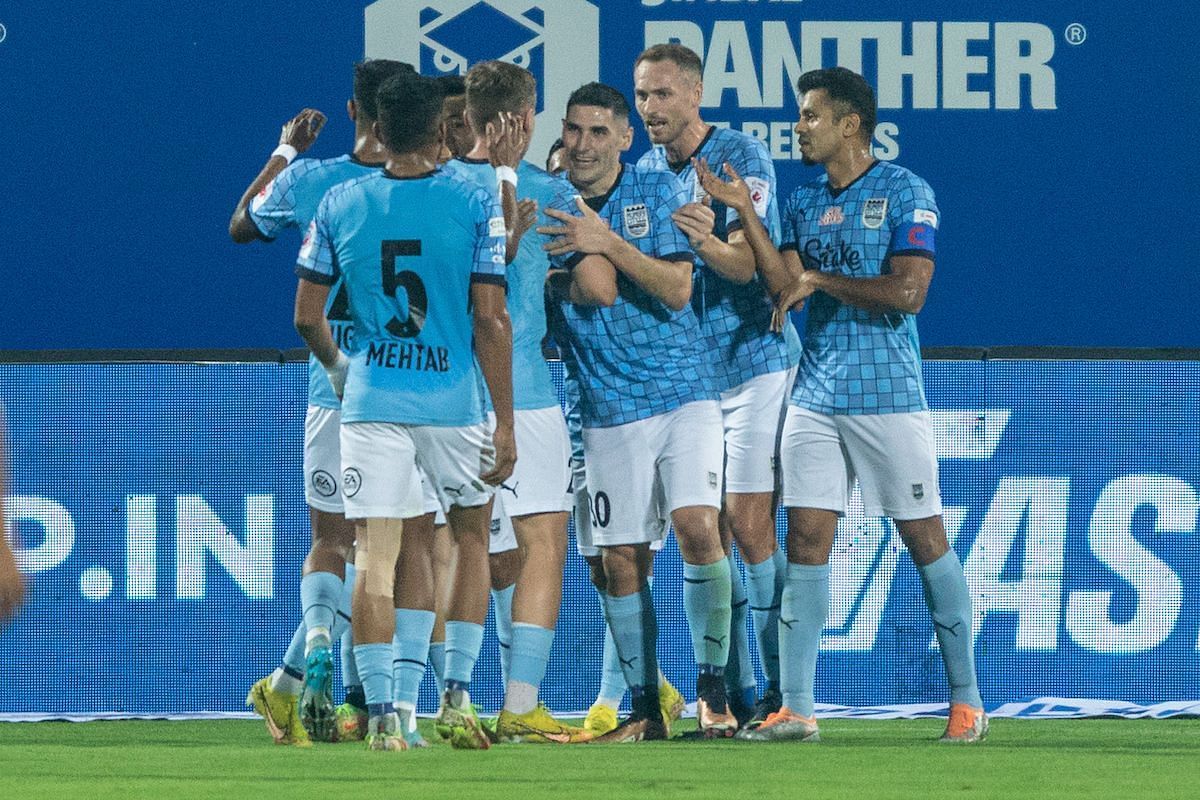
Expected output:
(290, 201)
(532, 385)
(637, 358)
(857, 361)
(409, 250)
(557, 326)
(735, 318)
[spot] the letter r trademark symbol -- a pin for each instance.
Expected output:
(1075, 34)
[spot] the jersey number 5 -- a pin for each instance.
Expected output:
(409, 281)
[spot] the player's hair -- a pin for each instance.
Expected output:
(602, 96)
(683, 57)
(369, 75)
(410, 109)
(495, 87)
(848, 91)
(452, 85)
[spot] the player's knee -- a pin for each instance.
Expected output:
(925, 539)
(376, 557)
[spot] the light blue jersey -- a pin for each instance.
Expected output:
(735, 318)
(638, 358)
(857, 361)
(409, 250)
(532, 385)
(290, 201)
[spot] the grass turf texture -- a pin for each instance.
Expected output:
(857, 759)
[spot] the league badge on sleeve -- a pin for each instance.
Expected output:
(637, 221)
(760, 194)
(874, 212)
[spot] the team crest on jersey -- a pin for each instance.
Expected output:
(557, 40)
(874, 212)
(833, 216)
(637, 220)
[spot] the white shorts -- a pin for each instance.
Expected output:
(380, 460)
(503, 537)
(541, 480)
(892, 455)
(753, 417)
(582, 515)
(322, 459)
(638, 473)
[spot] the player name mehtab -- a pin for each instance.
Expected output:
(408, 355)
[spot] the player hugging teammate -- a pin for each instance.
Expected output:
(428, 253)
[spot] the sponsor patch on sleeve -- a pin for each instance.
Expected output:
(925, 217)
(496, 227)
(760, 194)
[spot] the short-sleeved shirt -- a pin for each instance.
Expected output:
(290, 201)
(532, 386)
(735, 318)
(857, 361)
(637, 358)
(409, 250)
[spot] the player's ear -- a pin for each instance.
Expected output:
(851, 124)
(352, 110)
(377, 132)
(627, 138)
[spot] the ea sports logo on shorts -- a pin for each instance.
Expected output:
(557, 40)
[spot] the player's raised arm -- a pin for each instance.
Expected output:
(298, 135)
(779, 271)
(733, 260)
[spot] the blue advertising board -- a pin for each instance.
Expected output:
(158, 511)
(130, 131)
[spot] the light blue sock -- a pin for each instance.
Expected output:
(803, 609)
(437, 663)
(463, 640)
(504, 626)
(375, 667)
(293, 657)
(764, 585)
(410, 648)
(706, 593)
(530, 653)
(319, 595)
(635, 633)
(739, 670)
(350, 676)
(343, 633)
(345, 604)
(612, 679)
(949, 602)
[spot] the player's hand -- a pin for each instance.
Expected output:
(586, 234)
(337, 374)
(507, 140)
(696, 220)
(791, 299)
(12, 586)
(504, 456)
(733, 193)
(303, 129)
(526, 217)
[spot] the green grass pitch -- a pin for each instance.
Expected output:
(858, 759)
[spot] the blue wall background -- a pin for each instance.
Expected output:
(129, 131)
(160, 513)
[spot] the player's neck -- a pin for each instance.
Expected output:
(685, 145)
(848, 166)
(601, 186)
(412, 164)
(367, 148)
